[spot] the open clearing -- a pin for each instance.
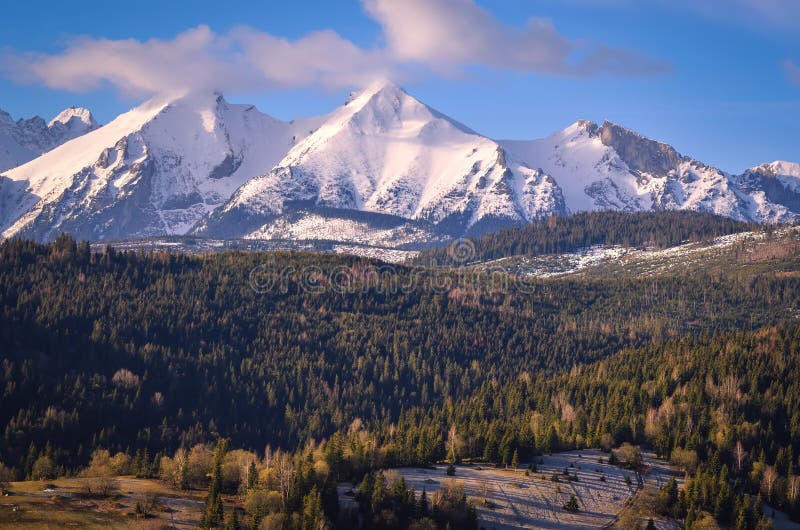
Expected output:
(516, 501)
(58, 504)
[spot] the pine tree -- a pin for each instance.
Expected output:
(422, 506)
(379, 492)
(252, 476)
(741, 520)
(572, 503)
(214, 512)
(313, 517)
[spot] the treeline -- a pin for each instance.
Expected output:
(149, 355)
(723, 408)
(567, 234)
(184, 350)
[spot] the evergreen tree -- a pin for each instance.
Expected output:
(214, 512)
(252, 476)
(572, 504)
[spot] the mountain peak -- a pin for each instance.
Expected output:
(199, 99)
(5, 119)
(81, 114)
(583, 125)
(784, 167)
(379, 87)
(778, 167)
(384, 85)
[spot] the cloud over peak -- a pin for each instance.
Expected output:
(443, 36)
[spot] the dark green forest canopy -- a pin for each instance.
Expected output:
(566, 234)
(131, 351)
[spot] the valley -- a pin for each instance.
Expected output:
(400, 265)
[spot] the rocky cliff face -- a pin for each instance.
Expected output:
(155, 170)
(383, 168)
(386, 153)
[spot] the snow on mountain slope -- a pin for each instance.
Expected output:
(384, 167)
(12, 154)
(387, 153)
(610, 167)
(156, 169)
(774, 189)
(24, 140)
(75, 118)
(336, 225)
(591, 175)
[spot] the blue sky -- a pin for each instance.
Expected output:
(714, 78)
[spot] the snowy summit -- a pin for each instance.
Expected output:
(383, 165)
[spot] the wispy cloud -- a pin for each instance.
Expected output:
(243, 59)
(775, 13)
(448, 35)
(443, 36)
(792, 70)
(763, 15)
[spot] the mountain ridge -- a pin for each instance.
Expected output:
(196, 164)
(156, 169)
(25, 139)
(387, 153)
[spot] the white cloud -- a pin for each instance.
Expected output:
(320, 58)
(445, 36)
(196, 56)
(451, 34)
(199, 59)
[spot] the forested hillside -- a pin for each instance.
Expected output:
(149, 353)
(585, 229)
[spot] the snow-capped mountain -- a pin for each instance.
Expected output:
(384, 152)
(774, 188)
(610, 167)
(157, 169)
(24, 140)
(383, 169)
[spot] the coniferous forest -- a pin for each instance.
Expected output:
(342, 367)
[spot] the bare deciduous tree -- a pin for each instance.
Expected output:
(740, 454)
(453, 444)
(768, 482)
(793, 488)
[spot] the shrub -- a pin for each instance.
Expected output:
(572, 504)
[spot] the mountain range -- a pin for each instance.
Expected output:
(383, 169)
(23, 140)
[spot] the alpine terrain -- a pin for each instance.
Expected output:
(157, 169)
(24, 140)
(384, 169)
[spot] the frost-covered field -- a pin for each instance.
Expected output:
(602, 260)
(516, 501)
(316, 227)
(388, 255)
